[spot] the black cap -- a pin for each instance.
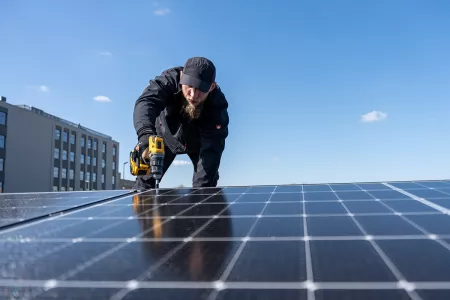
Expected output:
(199, 72)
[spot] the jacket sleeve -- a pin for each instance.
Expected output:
(214, 135)
(151, 102)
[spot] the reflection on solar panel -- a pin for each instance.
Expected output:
(323, 241)
(20, 207)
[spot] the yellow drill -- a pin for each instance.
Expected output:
(155, 159)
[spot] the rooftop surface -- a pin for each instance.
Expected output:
(47, 115)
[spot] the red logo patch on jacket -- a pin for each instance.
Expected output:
(218, 126)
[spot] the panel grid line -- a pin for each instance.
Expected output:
(212, 239)
(308, 192)
(308, 259)
(422, 285)
(396, 272)
(319, 215)
(243, 202)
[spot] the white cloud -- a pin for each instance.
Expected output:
(106, 53)
(162, 11)
(102, 99)
(39, 88)
(181, 163)
(44, 88)
(373, 116)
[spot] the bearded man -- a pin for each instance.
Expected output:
(185, 106)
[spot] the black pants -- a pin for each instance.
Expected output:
(148, 182)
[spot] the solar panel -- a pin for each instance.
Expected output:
(316, 241)
(21, 207)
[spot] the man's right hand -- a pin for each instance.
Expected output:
(142, 150)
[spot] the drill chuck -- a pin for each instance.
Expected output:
(156, 165)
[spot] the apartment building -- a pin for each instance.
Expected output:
(40, 152)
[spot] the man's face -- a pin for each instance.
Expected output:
(194, 100)
(193, 95)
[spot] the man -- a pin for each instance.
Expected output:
(186, 107)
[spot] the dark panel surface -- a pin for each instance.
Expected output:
(348, 261)
(362, 295)
(345, 187)
(19, 207)
(272, 261)
(336, 241)
(266, 294)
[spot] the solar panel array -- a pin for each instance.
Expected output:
(318, 241)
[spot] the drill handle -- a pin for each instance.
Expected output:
(136, 156)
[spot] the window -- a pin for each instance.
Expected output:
(2, 141)
(1, 186)
(94, 177)
(71, 174)
(1, 164)
(63, 173)
(70, 188)
(55, 188)
(82, 141)
(81, 158)
(55, 172)
(2, 118)
(114, 150)
(64, 155)
(57, 134)
(94, 162)
(103, 147)
(81, 175)
(56, 153)
(88, 176)
(65, 137)
(103, 163)
(88, 160)
(103, 178)
(72, 156)
(72, 139)
(114, 165)
(113, 180)
(89, 143)
(95, 144)
(63, 188)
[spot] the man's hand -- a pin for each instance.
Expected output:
(142, 150)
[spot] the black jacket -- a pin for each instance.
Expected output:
(158, 111)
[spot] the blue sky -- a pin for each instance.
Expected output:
(299, 77)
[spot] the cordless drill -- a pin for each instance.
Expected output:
(153, 164)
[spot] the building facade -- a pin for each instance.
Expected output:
(40, 152)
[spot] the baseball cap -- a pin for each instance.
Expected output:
(199, 72)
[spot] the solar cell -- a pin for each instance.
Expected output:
(25, 206)
(328, 241)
